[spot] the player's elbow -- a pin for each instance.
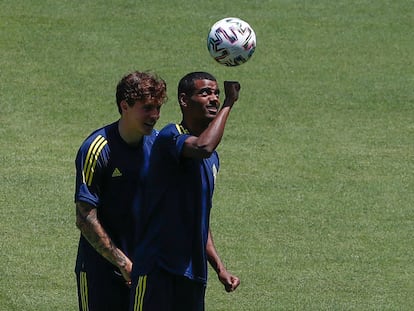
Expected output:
(205, 152)
(79, 222)
(198, 151)
(86, 215)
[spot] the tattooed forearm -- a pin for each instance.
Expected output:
(90, 227)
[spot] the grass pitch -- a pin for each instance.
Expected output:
(313, 208)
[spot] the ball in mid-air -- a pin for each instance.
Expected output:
(231, 41)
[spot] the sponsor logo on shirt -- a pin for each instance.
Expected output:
(116, 173)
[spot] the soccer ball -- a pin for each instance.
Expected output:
(231, 41)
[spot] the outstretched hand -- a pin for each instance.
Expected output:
(229, 281)
(231, 90)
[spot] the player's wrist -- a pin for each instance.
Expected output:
(228, 103)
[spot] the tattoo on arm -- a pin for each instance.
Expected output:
(90, 227)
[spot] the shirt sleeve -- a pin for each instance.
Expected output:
(90, 164)
(174, 138)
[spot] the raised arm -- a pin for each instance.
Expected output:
(90, 227)
(203, 145)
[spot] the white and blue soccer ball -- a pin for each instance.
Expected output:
(231, 41)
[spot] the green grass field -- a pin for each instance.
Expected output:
(314, 201)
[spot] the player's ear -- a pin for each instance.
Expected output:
(123, 105)
(182, 98)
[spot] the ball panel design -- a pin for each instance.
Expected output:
(231, 41)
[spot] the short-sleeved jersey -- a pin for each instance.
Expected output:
(110, 176)
(176, 212)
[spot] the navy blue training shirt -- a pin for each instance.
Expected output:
(110, 175)
(176, 212)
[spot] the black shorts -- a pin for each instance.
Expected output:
(103, 290)
(163, 291)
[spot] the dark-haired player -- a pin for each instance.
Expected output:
(175, 242)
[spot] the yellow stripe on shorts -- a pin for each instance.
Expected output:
(140, 293)
(84, 291)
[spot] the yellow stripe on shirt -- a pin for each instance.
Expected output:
(92, 157)
(181, 129)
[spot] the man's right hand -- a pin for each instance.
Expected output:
(231, 90)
